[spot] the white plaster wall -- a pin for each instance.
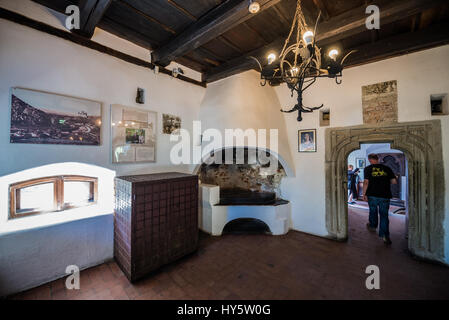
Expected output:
(34, 60)
(239, 102)
(419, 75)
(33, 257)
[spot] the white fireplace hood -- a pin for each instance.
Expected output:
(240, 102)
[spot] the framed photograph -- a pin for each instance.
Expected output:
(170, 124)
(46, 118)
(133, 133)
(135, 136)
(307, 140)
(360, 163)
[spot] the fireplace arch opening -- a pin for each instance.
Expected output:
(246, 226)
(242, 184)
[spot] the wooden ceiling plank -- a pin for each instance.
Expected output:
(281, 16)
(148, 17)
(354, 21)
(257, 33)
(229, 44)
(221, 19)
(332, 30)
(429, 37)
(182, 10)
(415, 22)
(322, 7)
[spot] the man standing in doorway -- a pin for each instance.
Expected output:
(377, 191)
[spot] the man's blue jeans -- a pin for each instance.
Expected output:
(379, 207)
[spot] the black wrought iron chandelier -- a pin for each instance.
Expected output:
(299, 63)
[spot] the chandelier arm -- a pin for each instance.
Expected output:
(316, 27)
(307, 109)
(346, 56)
(311, 83)
(292, 28)
(295, 108)
(255, 59)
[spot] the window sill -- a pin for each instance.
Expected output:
(52, 219)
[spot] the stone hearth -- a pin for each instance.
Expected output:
(245, 189)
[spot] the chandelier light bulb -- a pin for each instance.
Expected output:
(294, 71)
(333, 54)
(254, 7)
(271, 57)
(308, 37)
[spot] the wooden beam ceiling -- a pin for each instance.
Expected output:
(321, 7)
(336, 28)
(432, 36)
(243, 63)
(91, 12)
(354, 21)
(221, 19)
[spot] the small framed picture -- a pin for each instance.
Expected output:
(307, 140)
(361, 163)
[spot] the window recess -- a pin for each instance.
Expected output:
(51, 194)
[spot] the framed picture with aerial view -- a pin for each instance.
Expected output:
(46, 118)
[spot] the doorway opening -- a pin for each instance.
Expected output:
(358, 209)
(421, 142)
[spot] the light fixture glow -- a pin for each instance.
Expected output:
(254, 7)
(294, 72)
(271, 57)
(333, 54)
(308, 37)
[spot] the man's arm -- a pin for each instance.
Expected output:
(394, 178)
(365, 187)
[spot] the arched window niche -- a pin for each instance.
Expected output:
(54, 194)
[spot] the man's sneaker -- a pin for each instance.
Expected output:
(368, 226)
(387, 240)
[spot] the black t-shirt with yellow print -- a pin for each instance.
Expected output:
(379, 177)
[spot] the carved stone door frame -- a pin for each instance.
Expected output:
(421, 142)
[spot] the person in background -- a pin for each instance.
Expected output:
(353, 184)
(377, 191)
(350, 172)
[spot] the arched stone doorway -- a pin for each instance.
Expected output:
(421, 143)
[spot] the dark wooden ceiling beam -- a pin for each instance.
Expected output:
(91, 12)
(221, 19)
(334, 29)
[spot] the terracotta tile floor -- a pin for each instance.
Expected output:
(295, 266)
